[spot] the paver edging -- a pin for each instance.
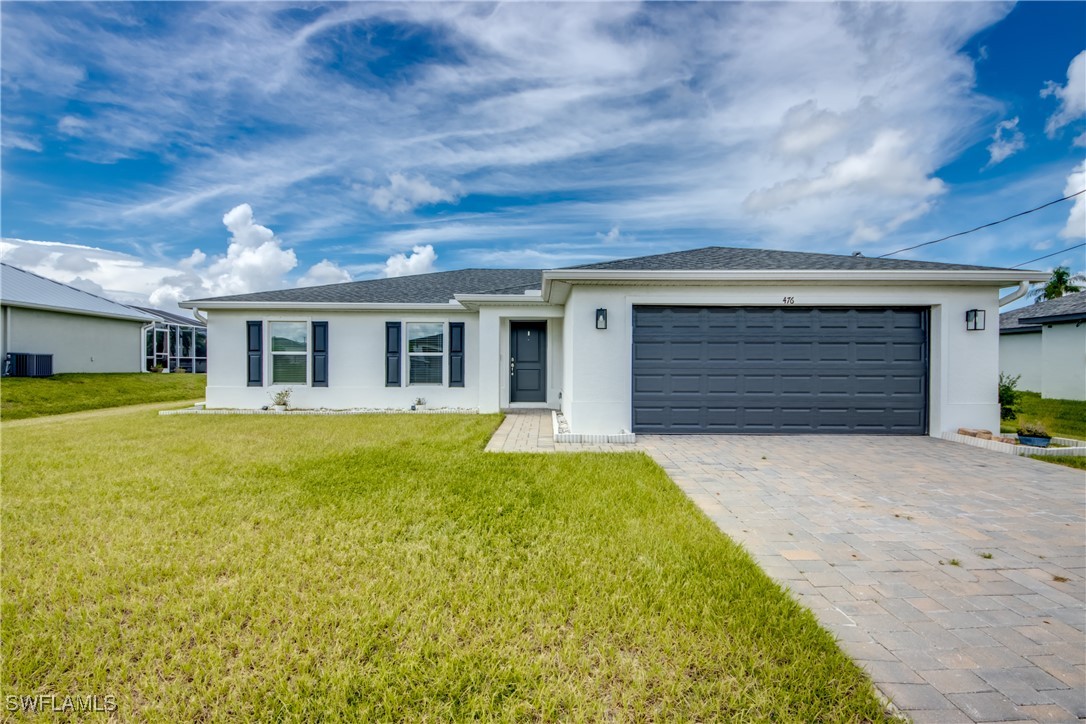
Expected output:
(622, 438)
(321, 411)
(1073, 447)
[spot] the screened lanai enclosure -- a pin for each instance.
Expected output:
(174, 343)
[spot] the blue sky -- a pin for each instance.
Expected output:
(161, 151)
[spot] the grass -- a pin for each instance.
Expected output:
(1071, 461)
(23, 397)
(1062, 418)
(385, 568)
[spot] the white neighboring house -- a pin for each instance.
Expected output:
(1045, 345)
(82, 331)
(707, 340)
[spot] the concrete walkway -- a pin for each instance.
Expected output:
(529, 430)
(886, 540)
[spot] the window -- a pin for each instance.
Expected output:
(425, 352)
(288, 352)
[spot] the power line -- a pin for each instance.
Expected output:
(982, 226)
(1055, 253)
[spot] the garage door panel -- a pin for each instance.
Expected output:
(800, 370)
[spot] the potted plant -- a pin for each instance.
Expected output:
(281, 399)
(1033, 433)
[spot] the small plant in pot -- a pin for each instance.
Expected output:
(281, 399)
(1033, 433)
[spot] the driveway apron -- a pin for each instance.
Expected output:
(954, 576)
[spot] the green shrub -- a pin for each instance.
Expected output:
(1008, 396)
(1033, 429)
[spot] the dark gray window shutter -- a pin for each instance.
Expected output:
(255, 344)
(456, 354)
(320, 354)
(392, 353)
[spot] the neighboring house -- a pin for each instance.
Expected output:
(707, 340)
(82, 331)
(174, 342)
(1044, 344)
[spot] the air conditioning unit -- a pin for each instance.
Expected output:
(22, 364)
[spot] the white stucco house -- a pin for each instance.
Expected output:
(1044, 344)
(707, 340)
(82, 331)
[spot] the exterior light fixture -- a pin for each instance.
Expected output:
(601, 319)
(974, 320)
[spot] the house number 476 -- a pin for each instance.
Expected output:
(789, 300)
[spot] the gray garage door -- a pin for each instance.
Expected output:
(788, 369)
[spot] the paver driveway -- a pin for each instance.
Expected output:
(882, 537)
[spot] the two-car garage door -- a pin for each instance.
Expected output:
(774, 370)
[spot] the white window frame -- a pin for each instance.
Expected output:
(270, 363)
(408, 354)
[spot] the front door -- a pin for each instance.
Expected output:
(528, 361)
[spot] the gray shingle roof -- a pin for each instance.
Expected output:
(1069, 308)
(1011, 322)
(440, 287)
(20, 288)
(723, 257)
(435, 288)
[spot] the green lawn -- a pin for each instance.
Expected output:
(384, 567)
(22, 397)
(1062, 418)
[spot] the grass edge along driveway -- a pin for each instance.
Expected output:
(384, 567)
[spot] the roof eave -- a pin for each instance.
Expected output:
(134, 317)
(556, 282)
(532, 298)
(1053, 318)
(450, 306)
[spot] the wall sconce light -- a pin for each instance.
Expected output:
(601, 319)
(974, 320)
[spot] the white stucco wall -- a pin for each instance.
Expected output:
(964, 365)
(356, 351)
(78, 343)
(1063, 361)
(356, 362)
(1020, 354)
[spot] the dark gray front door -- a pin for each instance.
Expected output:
(774, 370)
(528, 361)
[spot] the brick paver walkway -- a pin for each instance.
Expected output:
(532, 431)
(886, 538)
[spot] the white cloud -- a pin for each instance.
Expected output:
(26, 142)
(1071, 96)
(664, 115)
(324, 272)
(254, 260)
(887, 168)
(1076, 218)
(421, 261)
(72, 126)
(805, 129)
(407, 193)
(615, 236)
(1006, 141)
(865, 233)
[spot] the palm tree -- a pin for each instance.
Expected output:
(1061, 282)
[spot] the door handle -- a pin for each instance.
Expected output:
(512, 365)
